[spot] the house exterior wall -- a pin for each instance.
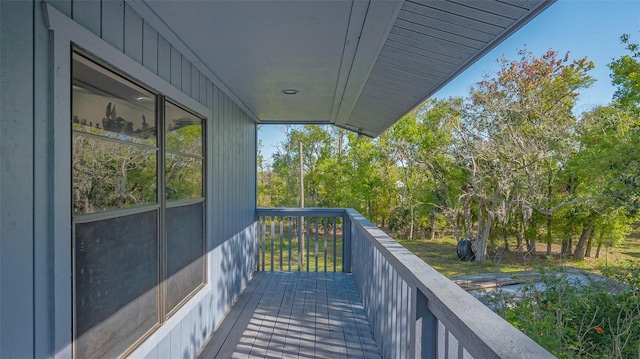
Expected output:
(35, 189)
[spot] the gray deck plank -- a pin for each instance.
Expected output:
(238, 318)
(295, 315)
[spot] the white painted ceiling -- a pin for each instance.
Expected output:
(358, 64)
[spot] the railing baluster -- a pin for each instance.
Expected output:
(308, 240)
(335, 242)
(324, 234)
(317, 219)
(273, 240)
(258, 242)
(281, 229)
(300, 242)
(264, 240)
(290, 223)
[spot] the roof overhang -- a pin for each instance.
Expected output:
(357, 64)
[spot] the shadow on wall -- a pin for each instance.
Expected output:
(237, 265)
(233, 264)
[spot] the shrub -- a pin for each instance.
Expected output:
(599, 318)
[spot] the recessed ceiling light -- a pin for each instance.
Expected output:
(290, 92)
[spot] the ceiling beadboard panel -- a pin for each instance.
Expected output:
(430, 43)
(359, 64)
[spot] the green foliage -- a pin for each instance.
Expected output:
(625, 74)
(580, 320)
(513, 156)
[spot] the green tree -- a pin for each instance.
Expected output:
(514, 134)
(625, 75)
(605, 169)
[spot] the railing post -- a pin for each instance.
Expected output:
(346, 243)
(426, 328)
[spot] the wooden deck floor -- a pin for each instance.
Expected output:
(295, 315)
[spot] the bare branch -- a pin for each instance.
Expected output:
(550, 211)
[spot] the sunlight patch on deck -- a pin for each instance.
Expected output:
(295, 315)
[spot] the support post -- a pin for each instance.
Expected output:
(346, 244)
(426, 329)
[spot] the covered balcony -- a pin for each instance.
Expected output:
(330, 284)
(104, 256)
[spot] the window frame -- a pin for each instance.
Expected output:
(65, 36)
(160, 207)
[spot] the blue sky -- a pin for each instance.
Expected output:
(582, 27)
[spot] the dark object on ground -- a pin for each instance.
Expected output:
(465, 249)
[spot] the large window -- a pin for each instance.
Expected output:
(138, 209)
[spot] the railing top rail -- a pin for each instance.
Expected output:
(486, 334)
(294, 212)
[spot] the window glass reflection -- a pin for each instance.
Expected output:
(183, 177)
(111, 106)
(183, 131)
(111, 175)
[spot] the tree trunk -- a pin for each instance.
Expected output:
(484, 228)
(566, 247)
(598, 250)
(531, 243)
(456, 230)
(548, 236)
(520, 233)
(482, 240)
(590, 244)
(549, 194)
(570, 248)
(411, 225)
(582, 243)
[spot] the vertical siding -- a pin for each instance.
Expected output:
(176, 68)
(150, 48)
(113, 23)
(64, 6)
(132, 34)
(186, 76)
(16, 180)
(88, 14)
(203, 89)
(164, 59)
(195, 83)
(230, 191)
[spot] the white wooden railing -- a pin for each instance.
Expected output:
(414, 311)
(309, 239)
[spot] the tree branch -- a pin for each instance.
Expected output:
(550, 211)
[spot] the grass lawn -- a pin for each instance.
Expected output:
(441, 255)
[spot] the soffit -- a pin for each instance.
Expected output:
(358, 64)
